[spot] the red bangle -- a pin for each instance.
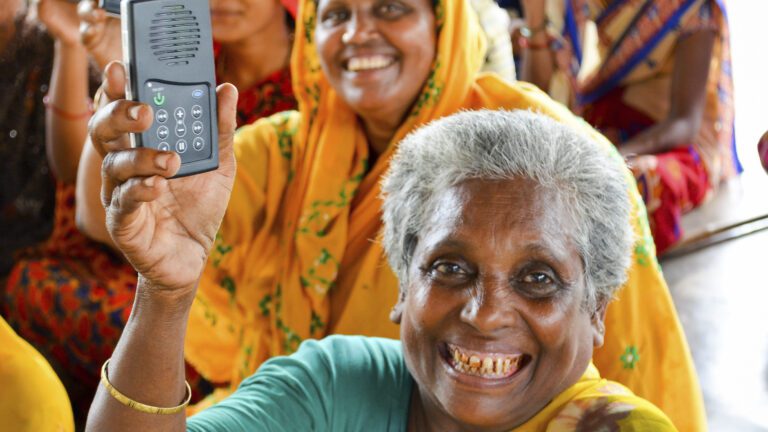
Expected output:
(66, 114)
(526, 43)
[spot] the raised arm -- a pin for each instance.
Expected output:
(687, 98)
(538, 61)
(165, 228)
(68, 103)
(100, 35)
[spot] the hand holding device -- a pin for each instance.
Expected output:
(168, 53)
(165, 228)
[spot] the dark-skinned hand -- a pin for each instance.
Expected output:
(165, 227)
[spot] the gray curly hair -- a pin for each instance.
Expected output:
(498, 145)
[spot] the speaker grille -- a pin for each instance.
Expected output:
(175, 35)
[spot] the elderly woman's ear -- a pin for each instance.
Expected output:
(598, 323)
(396, 314)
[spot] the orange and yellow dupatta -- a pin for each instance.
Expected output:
(597, 404)
(296, 255)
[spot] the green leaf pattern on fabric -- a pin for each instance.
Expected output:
(630, 357)
(228, 283)
(265, 304)
(315, 325)
(430, 94)
(219, 250)
(321, 274)
(284, 135)
(291, 339)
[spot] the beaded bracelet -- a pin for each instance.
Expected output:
(138, 406)
(66, 114)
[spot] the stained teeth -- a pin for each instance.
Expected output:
(490, 366)
(366, 63)
(487, 366)
(474, 361)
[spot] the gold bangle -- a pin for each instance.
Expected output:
(138, 406)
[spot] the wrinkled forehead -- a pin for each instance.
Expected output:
(323, 3)
(518, 208)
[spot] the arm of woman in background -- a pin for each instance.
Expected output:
(68, 104)
(166, 230)
(101, 36)
(689, 89)
(538, 61)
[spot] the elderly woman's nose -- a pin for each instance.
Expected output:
(360, 29)
(490, 309)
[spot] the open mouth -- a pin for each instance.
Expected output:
(492, 366)
(366, 63)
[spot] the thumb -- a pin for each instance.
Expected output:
(227, 112)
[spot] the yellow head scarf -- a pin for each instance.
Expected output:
(297, 257)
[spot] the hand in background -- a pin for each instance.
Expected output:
(60, 18)
(164, 227)
(762, 150)
(99, 33)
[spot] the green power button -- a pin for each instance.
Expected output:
(159, 99)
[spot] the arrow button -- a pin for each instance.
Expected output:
(159, 99)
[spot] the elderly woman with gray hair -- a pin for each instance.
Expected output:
(509, 234)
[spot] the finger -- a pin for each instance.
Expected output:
(128, 198)
(124, 166)
(114, 80)
(87, 11)
(109, 126)
(226, 95)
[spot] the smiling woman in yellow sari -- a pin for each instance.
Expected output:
(296, 255)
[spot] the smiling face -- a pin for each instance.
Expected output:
(376, 54)
(236, 20)
(493, 322)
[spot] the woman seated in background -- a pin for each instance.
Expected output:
(509, 234)
(71, 296)
(661, 90)
(294, 258)
(38, 288)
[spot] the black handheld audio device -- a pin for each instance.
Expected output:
(168, 53)
(111, 6)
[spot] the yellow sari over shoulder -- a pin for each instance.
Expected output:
(296, 256)
(596, 404)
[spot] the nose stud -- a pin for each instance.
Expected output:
(347, 37)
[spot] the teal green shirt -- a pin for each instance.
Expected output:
(341, 383)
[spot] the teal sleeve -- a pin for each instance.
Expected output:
(339, 383)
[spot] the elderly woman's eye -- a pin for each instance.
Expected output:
(538, 284)
(537, 278)
(448, 269)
